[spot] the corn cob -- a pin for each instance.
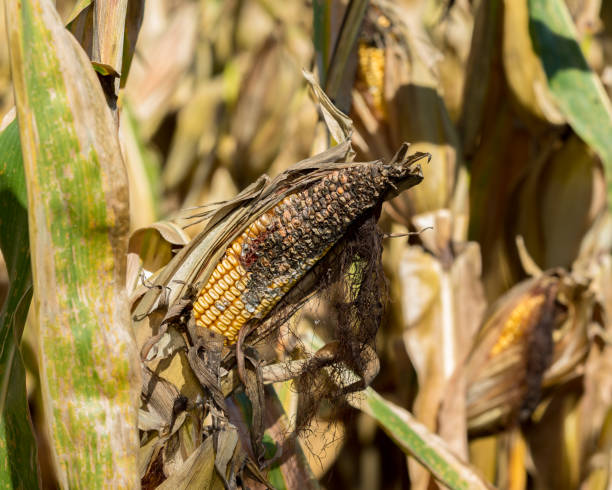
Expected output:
(371, 71)
(277, 249)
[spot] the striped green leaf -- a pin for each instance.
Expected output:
(78, 220)
(417, 441)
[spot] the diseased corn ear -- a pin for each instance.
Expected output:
(532, 340)
(277, 249)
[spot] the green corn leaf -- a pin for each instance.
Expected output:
(417, 441)
(78, 220)
(577, 90)
(18, 460)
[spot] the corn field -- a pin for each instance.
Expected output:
(306, 244)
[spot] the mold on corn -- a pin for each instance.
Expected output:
(276, 250)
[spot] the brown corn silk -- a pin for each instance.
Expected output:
(282, 244)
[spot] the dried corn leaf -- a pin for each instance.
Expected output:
(165, 57)
(559, 201)
(442, 302)
(142, 170)
(452, 33)
(100, 27)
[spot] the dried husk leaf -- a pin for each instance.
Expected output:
(584, 434)
(156, 244)
(559, 201)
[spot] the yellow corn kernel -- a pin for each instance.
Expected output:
(216, 329)
(199, 309)
(517, 323)
(265, 219)
(226, 322)
(202, 302)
